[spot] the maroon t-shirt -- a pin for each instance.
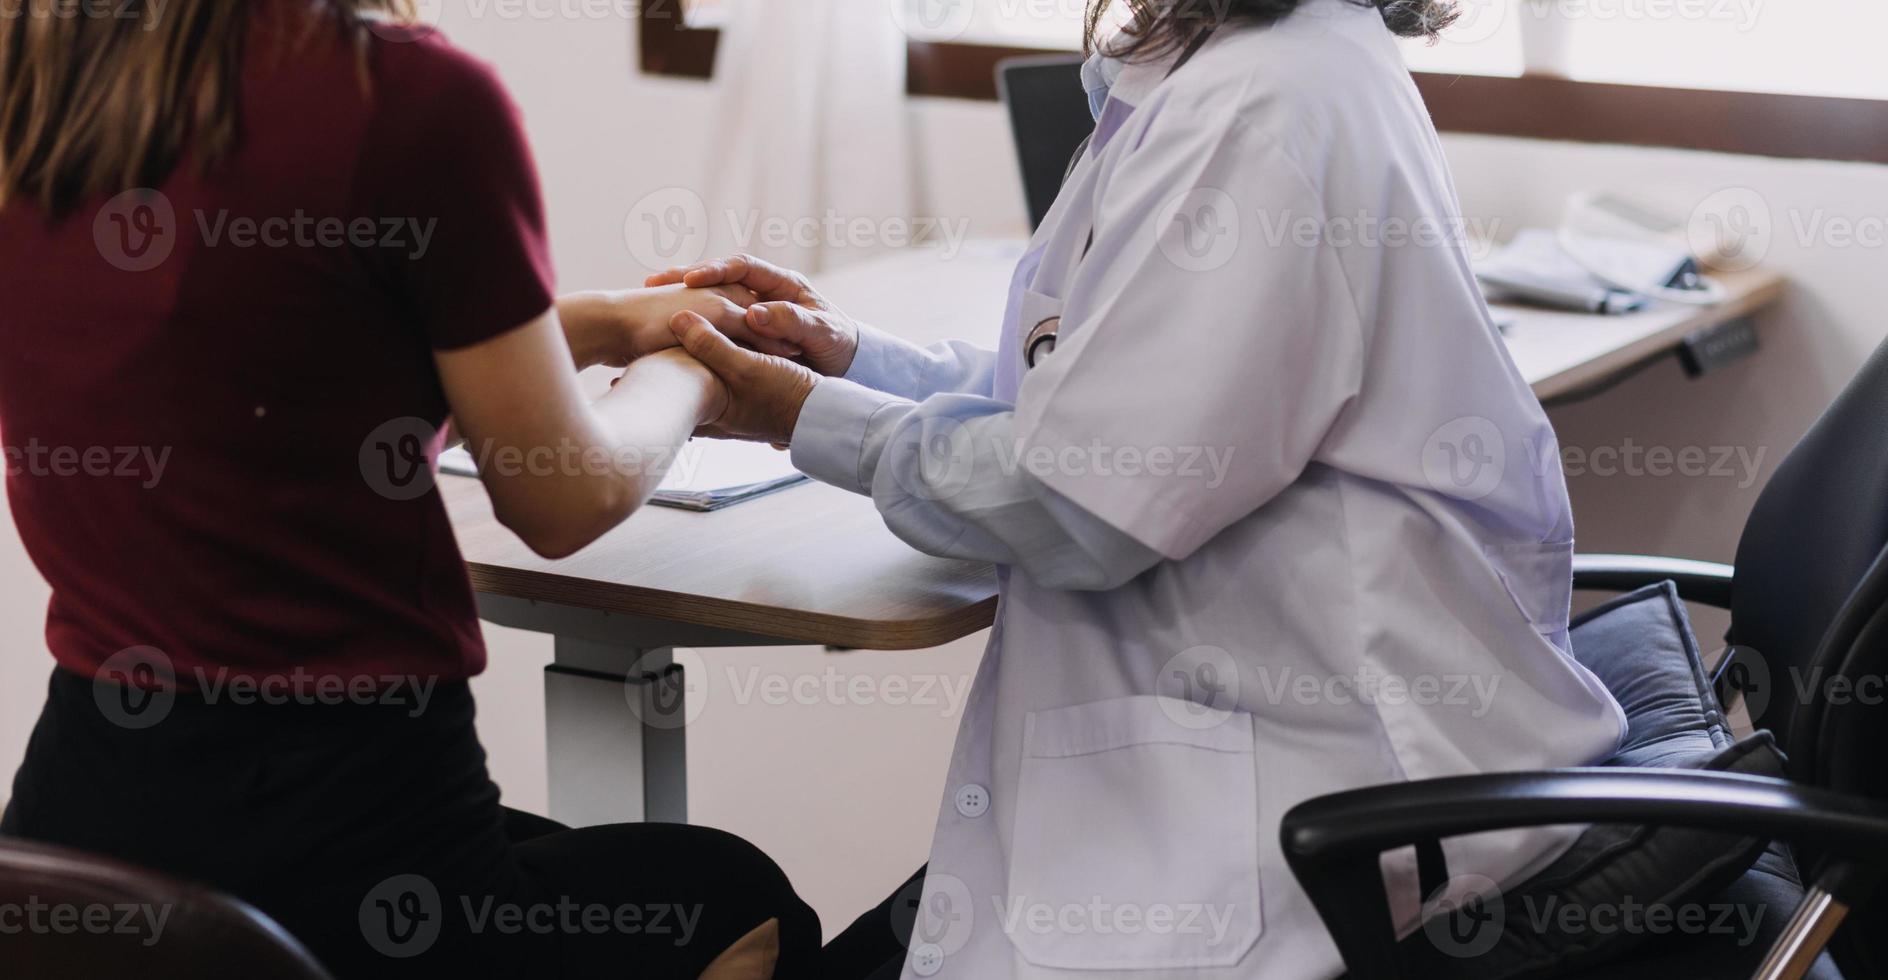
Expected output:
(217, 402)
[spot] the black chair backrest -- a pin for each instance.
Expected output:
(79, 917)
(1810, 600)
(1807, 586)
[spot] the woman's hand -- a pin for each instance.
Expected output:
(789, 313)
(676, 370)
(764, 393)
(615, 328)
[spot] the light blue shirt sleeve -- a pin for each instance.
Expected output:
(946, 476)
(904, 369)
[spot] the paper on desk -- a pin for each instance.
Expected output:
(708, 474)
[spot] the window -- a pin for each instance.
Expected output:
(1825, 47)
(1052, 25)
(703, 13)
(1772, 77)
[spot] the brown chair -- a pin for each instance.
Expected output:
(64, 915)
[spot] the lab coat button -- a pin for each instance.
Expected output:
(927, 959)
(973, 801)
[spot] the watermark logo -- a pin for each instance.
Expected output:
(942, 915)
(401, 917)
(1731, 230)
(935, 459)
(933, 20)
(1464, 918)
(36, 459)
(1478, 21)
(667, 228)
(37, 917)
(1465, 458)
(395, 458)
(135, 688)
(1199, 230)
(665, 689)
(1100, 917)
(1199, 687)
(136, 230)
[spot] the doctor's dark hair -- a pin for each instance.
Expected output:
(1159, 27)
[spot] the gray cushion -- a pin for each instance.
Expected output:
(1590, 905)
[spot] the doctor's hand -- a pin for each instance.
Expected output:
(789, 311)
(765, 393)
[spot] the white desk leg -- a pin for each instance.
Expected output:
(617, 743)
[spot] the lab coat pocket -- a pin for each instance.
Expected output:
(1136, 840)
(1539, 578)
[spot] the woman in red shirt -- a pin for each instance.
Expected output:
(253, 256)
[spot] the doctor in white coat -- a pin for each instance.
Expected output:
(1275, 515)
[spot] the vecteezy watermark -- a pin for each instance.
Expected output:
(1482, 20)
(945, 693)
(410, 237)
(1631, 459)
(673, 226)
(1742, 15)
(396, 459)
(1096, 916)
(403, 917)
(1468, 916)
(138, 230)
(943, 917)
(1758, 685)
(1370, 686)
(1202, 229)
(937, 458)
(137, 687)
(1367, 230)
(1199, 687)
(37, 917)
(144, 464)
(668, 689)
(1466, 458)
(150, 11)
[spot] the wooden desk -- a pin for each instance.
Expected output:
(809, 565)
(927, 298)
(814, 565)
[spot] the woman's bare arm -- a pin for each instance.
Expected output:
(562, 470)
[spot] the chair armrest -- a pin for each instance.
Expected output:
(1698, 581)
(1333, 842)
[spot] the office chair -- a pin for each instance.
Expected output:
(1808, 598)
(202, 934)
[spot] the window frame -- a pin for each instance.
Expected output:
(1528, 106)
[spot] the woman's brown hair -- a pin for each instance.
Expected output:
(1158, 27)
(98, 96)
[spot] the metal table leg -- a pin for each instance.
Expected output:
(615, 708)
(616, 734)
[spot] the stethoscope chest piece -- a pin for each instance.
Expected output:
(1041, 341)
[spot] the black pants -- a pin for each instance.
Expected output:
(873, 948)
(373, 833)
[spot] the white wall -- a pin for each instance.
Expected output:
(843, 795)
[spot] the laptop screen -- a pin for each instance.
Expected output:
(1049, 117)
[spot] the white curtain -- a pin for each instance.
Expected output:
(810, 165)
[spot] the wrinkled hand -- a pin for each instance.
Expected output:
(765, 393)
(788, 312)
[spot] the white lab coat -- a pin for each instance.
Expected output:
(1277, 517)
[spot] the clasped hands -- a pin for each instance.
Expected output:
(761, 331)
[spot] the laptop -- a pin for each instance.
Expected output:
(1049, 118)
